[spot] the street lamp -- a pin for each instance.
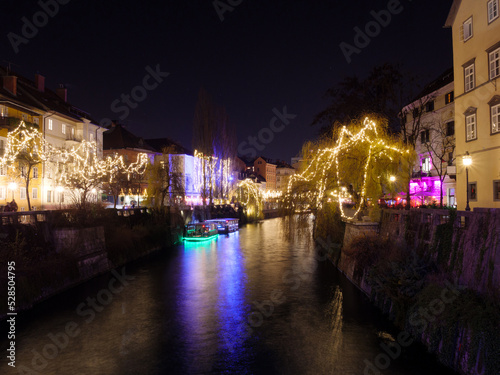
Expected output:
(392, 178)
(12, 186)
(467, 160)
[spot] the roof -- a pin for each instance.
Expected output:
(453, 13)
(267, 160)
(117, 137)
(160, 143)
(445, 78)
(29, 95)
(283, 164)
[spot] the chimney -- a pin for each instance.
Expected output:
(40, 82)
(62, 92)
(10, 84)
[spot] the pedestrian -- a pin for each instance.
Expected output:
(13, 205)
(7, 207)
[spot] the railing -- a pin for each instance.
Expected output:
(23, 217)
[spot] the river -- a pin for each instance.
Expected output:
(252, 302)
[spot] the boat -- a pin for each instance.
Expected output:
(225, 225)
(200, 231)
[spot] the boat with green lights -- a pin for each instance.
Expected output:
(200, 231)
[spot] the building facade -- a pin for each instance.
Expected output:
(266, 169)
(62, 126)
(476, 58)
(432, 115)
(283, 173)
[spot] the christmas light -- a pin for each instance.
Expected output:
(331, 157)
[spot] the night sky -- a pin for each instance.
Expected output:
(263, 55)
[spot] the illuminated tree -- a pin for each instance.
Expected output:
(25, 150)
(250, 196)
(354, 165)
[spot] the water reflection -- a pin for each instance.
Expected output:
(251, 302)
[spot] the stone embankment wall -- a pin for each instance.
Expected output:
(461, 247)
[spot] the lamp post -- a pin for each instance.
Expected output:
(467, 160)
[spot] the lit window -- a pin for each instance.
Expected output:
(49, 124)
(49, 196)
(467, 29)
(3, 192)
(473, 191)
(469, 77)
(495, 118)
(449, 98)
(494, 58)
(63, 128)
(4, 111)
(34, 193)
(470, 125)
(23, 193)
(492, 10)
(426, 164)
(35, 172)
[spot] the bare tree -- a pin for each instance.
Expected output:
(165, 179)
(441, 148)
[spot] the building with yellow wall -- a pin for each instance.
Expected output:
(476, 58)
(62, 126)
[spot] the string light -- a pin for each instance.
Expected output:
(327, 158)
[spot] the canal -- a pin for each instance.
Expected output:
(252, 302)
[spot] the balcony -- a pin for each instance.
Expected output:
(13, 122)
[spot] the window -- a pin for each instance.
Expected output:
(73, 132)
(34, 193)
(49, 196)
(4, 111)
(470, 126)
(469, 77)
(91, 137)
(494, 59)
(492, 10)
(23, 193)
(3, 192)
(429, 107)
(36, 120)
(49, 123)
(35, 172)
(495, 118)
(424, 136)
(63, 128)
(61, 197)
(467, 29)
(2, 170)
(450, 158)
(2, 147)
(449, 98)
(23, 171)
(473, 191)
(426, 164)
(450, 128)
(496, 190)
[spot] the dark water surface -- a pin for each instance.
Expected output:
(248, 303)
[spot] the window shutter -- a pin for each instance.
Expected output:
(461, 33)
